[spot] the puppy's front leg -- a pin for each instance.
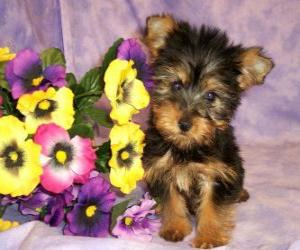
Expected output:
(214, 223)
(176, 223)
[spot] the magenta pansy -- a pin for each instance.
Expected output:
(65, 160)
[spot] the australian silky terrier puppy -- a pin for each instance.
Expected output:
(191, 158)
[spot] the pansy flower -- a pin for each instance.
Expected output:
(131, 49)
(46, 206)
(126, 164)
(20, 166)
(138, 222)
(126, 93)
(91, 215)
(5, 54)
(64, 159)
(25, 74)
(50, 106)
(7, 224)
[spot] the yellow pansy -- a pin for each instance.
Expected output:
(5, 55)
(127, 149)
(20, 167)
(7, 224)
(126, 93)
(50, 106)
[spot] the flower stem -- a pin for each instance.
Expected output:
(2, 210)
(92, 93)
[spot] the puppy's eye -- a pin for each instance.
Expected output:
(177, 85)
(210, 96)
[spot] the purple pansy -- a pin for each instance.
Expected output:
(138, 222)
(91, 215)
(47, 206)
(6, 200)
(25, 74)
(130, 49)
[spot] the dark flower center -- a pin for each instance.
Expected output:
(13, 156)
(123, 91)
(62, 154)
(44, 108)
(33, 77)
(126, 155)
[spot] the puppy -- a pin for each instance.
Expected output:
(191, 159)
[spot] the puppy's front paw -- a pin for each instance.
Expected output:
(172, 234)
(209, 242)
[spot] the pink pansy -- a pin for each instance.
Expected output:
(64, 160)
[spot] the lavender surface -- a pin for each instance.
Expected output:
(267, 123)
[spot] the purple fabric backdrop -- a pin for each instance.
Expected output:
(267, 123)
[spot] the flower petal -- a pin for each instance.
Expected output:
(9, 72)
(122, 112)
(47, 135)
(18, 88)
(94, 189)
(84, 156)
(10, 133)
(64, 114)
(29, 174)
(130, 49)
(116, 176)
(56, 75)
(5, 54)
(138, 96)
(27, 64)
(114, 77)
(107, 202)
(56, 179)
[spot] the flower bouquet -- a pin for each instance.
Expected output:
(51, 167)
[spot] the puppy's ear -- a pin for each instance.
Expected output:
(254, 67)
(157, 30)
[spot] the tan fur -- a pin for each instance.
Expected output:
(214, 223)
(255, 66)
(156, 166)
(166, 117)
(175, 222)
(158, 28)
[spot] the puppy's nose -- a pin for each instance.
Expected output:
(184, 125)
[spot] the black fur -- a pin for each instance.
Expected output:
(224, 149)
(205, 52)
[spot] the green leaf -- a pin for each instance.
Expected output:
(3, 81)
(118, 210)
(110, 55)
(72, 82)
(88, 91)
(8, 107)
(91, 86)
(52, 56)
(2, 210)
(99, 116)
(103, 155)
(82, 129)
(79, 118)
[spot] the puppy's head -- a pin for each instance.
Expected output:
(199, 79)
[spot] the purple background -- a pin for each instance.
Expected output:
(267, 123)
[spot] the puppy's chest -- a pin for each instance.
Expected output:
(188, 177)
